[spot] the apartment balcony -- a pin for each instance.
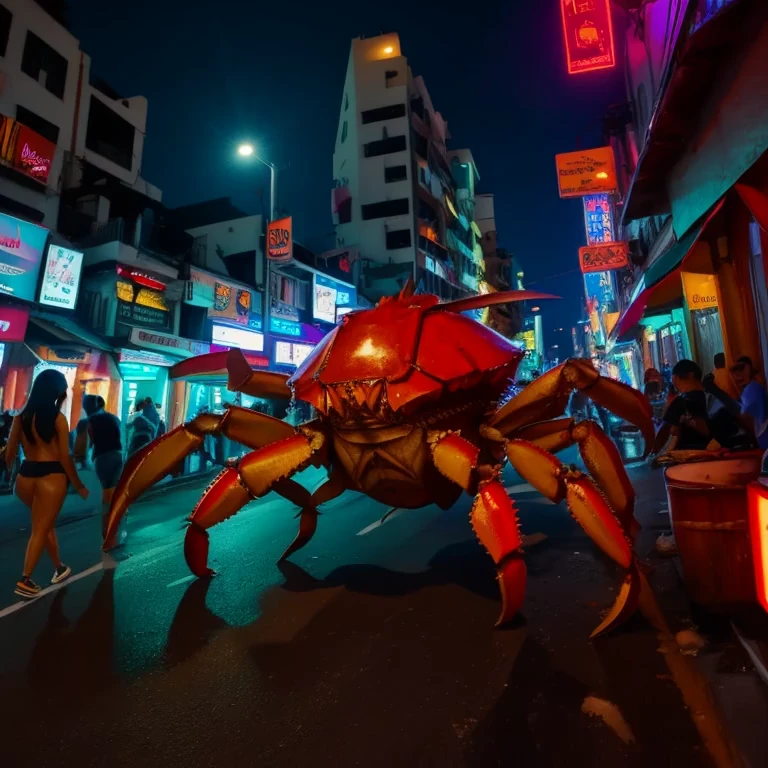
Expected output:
(141, 243)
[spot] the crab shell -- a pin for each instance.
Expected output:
(407, 353)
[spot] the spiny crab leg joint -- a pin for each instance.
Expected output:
(405, 398)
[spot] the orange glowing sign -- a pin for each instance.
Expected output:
(588, 32)
(604, 257)
(757, 494)
(280, 240)
(587, 172)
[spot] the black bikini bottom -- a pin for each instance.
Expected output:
(40, 468)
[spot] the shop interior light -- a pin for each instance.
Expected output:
(757, 494)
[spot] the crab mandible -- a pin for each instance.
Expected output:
(406, 398)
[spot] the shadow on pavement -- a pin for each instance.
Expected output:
(464, 564)
(193, 625)
(532, 723)
(79, 661)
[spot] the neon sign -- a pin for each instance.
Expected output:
(284, 327)
(588, 33)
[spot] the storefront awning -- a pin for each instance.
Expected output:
(667, 290)
(211, 367)
(674, 256)
(67, 330)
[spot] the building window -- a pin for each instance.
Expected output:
(389, 75)
(395, 173)
(109, 135)
(346, 102)
(392, 112)
(46, 129)
(386, 209)
(6, 17)
(45, 65)
(400, 238)
(385, 146)
(344, 132)
(344, 211)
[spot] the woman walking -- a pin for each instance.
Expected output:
(42, 480)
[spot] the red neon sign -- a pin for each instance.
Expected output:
(140, 278)
(33, 154)
(588, 31)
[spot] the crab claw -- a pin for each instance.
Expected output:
(145, 468)
(625, 605)
(590, 509)
(627, 403)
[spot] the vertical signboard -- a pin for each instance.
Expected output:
(280, 240)
(588, 33)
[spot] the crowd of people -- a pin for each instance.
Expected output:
(41, 459)
(726, 409)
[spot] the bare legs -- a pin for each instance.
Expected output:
(45, 497)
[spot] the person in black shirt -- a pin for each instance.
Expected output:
(687, 414)
(104, 431)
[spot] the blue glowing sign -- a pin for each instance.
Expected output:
(598, 219)
(284, 327)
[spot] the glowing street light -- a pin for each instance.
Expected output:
(389, 49)
(245, 150)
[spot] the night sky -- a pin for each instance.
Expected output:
(219, 72)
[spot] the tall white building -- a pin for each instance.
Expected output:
(56, 122)
(400, 198)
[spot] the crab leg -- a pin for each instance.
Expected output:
(600, 456)
(547, 397)
(590, 509)
(157, 459)
(254, 476)
(493, 515)
(242, 378)
(309, 502)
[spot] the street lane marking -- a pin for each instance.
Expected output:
(176, 583)
(389, 515)
(522, 488)
(53, 588)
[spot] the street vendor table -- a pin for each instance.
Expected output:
(708, 508)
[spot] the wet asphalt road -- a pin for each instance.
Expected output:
(372, 648)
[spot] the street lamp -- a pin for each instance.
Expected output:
(248, 150)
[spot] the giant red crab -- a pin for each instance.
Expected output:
(405, 396)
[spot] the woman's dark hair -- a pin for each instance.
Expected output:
(45, 400)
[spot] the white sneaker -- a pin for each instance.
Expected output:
(62, 572)
(666, 545)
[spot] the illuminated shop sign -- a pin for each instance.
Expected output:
(61, 277)
(329, 294)
(167, 342)
(588, 32)
(13, 324)
(137, 357)
(586, 172)
(21, 254)
(606, 256)
(229, 336)
(290, 353)
(598, 219)
(141, 306)
(25, 150)
(280, 240)
(284, 327)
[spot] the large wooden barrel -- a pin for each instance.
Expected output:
(708, 507)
